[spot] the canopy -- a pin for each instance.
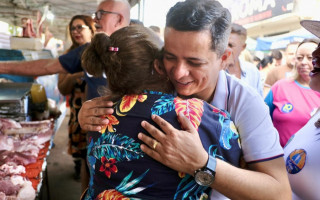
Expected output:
(281, 41)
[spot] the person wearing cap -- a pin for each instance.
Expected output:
(301, 153)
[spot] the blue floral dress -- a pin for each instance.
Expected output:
(120, 170)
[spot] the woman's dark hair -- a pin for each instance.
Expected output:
(88, 21)
(201, 15)
(130, 70)
(265, 61)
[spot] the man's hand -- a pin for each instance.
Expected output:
(177, 149)
(89, 116)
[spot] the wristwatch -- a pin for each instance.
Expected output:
(205, 176)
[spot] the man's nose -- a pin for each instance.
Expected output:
(181, 70)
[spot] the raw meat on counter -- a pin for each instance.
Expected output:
(21, 144)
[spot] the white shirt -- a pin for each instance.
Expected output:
(250, 74)
(259, 138)
(302, 159)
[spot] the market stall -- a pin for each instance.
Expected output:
(28, 122)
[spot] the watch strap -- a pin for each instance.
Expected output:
(211, 164)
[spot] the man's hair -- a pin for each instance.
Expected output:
(127, 58)
(155, 28)
(276, 54)
(136, 22)
(201, 15)
(238, 29)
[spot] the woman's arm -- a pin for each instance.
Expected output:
(66, 82)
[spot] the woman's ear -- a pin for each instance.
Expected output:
(158, 66)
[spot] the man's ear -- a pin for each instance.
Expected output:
(120, 20)
(158, 66)
(226, 54)
(225, 58)
(244, 46)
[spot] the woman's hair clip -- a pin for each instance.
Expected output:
(113, 48)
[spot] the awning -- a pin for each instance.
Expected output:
(281, 41)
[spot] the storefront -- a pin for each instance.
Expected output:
(269, 21)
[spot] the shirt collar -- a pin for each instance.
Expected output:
(220, 98)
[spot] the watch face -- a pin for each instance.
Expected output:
(204, 178)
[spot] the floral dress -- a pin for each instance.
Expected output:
(77, 136)
(120, 170)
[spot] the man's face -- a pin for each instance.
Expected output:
(237, 44)
(108, 20)
(291, 55)
(191, 65)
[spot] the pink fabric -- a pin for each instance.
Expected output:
(294, 105)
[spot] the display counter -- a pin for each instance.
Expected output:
(25, 141)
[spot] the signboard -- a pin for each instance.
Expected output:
(249, 11)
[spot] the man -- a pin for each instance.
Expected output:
(283, 71)
(240, 68)
(111, 15)
(195, 69)
(277, 57)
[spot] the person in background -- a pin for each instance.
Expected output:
(302, 150)
(139, 86)
(256, 61)
(265, 65)
(291, 101)
(136, 22)
(277, 57)
(283, 71)
(81, 29)
(110, 16)
(157, 30)
(195, 70)
(242, 69)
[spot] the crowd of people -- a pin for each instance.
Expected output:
(170, 119)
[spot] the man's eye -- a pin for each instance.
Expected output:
(169, 57)
(194, 63)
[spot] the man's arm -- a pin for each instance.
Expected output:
(271, 77)
(89, 116)
(183, 152)
(32, 68)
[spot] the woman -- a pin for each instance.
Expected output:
(138, 85)
(302, 150)
(81, 30)
(291, 101)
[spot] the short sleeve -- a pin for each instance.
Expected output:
(71, 61)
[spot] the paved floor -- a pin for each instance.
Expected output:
(60, 170)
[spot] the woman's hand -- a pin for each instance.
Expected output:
(89, 116)
(180, 150)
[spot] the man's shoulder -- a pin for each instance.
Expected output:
(238, 87)
(247, 65)
(282, 68)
